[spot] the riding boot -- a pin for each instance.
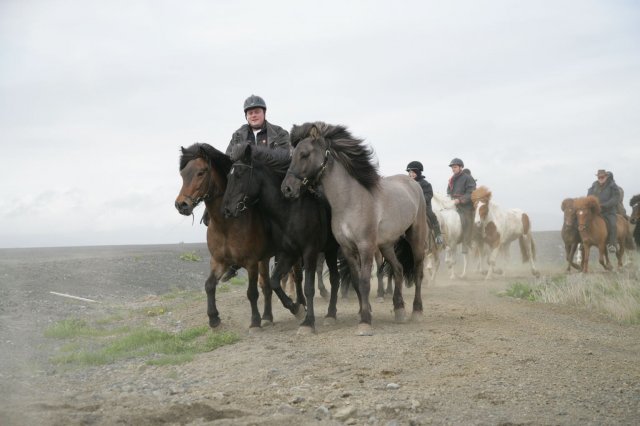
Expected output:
(437, 233)
(231, 272)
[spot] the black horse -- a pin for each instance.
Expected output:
(635, 218)
(300, 228)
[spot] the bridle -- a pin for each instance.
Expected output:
(197, 200)
(244, 204)
(311, 184)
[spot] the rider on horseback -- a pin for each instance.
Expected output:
(460, 187)
(415, 170)
(608, 193)
(257, 131)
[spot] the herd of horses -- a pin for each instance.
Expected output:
(584, 227)
(327, 202)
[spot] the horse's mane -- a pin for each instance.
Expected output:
(590, 203)
(566, 203)
(277, 160)
(444, 201)
(635, 199)
(482, 193)
(209, 153)
(356, 157)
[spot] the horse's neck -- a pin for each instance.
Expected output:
(272, 203)
(341, 189)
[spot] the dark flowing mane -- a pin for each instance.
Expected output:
(356, 157)
(635, 199)
(206, 151)
(277, 160)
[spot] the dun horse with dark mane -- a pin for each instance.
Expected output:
(570, 234)
(367, 211)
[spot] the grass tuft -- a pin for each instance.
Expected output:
(191, 256)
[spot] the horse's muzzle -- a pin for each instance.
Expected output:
(184, 208)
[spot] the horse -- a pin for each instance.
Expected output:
(367, 211)
(500, 227)
(570, 234)
(299, 228)
(242, 242)
(451, 226)
(593, 231)
(634, 217)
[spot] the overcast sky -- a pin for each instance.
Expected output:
(96, 98)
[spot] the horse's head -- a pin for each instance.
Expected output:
(635, 209)
(569, 211)
(201, 179)
(480, 199)
(586, 209)
(310, 157)
(242, 189)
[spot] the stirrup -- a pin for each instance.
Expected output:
(231, 272)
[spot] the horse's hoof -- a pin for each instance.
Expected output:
(401, 315)
(417, 316)
(364, 329)
(301, 312)
(254, 330)
(214, 322)
(305, 330)
(380, 299)
(266, 323)
(329, 321)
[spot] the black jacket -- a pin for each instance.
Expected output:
(608, 194)
(426, 189)
(270, 135)
(460, 187)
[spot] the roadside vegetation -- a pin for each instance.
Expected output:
(136, 333)
(616, 295)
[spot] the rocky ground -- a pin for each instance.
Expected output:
(473, 358)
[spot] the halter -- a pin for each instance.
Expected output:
(311, 183)
(207, 195)
(244, 204)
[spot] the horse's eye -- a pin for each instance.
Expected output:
(200, 173)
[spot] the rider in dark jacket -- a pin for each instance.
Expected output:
(415, 170)
(460, 187)
(608, 193)
(260, 132)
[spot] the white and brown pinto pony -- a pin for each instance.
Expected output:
(449, 219)
(500, 227)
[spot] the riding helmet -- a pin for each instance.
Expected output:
(415, 166)
(254, 101)
(456, 162)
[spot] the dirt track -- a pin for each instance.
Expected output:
(474, 358)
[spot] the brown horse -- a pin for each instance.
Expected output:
(239, 241)
(634, 218)
(593, 231)
(570, 234)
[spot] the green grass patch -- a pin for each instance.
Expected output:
(163, 347)
(239, 281)
(520, 291)
(190, 256)
(74, 327)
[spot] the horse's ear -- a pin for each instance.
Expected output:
(314, 132)
(565, 204)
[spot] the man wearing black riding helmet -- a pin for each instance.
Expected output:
(608, 193)
(415, 170)
(257, 131)
(460, 187)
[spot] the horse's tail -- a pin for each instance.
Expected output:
(404, 254)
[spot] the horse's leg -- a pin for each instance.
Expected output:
(492, 261)
(282, 266)
(570, 252)
(319, 268)
(530, 246)
(263, 271)
(379, 275)
(334, 280)
(351, 257)
(365, 251)
(398, 302)
(465, 263)
(297, 279)
(417, 243)
(210, 288)
(308, 325)
(252, 293)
